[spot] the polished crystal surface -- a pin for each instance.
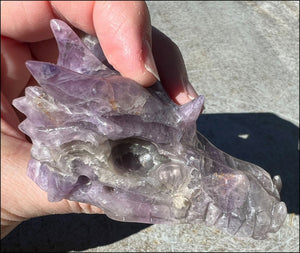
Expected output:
(103, 139)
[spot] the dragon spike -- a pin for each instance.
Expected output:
(190, 111)
(64, 84)
(73, 53)
(42, 71)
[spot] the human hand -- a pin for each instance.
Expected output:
(126, 37)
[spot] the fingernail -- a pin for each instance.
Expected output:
(191, 93)
(182, 98)
(187, 95)
(149, 60)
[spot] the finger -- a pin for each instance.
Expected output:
(45, 50)
(79, 14)
(123, 29)
(26, 21)
(124, 32)
(34, 17)
(171, 68)
(14, 74)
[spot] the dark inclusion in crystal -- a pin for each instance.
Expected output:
(103, 139)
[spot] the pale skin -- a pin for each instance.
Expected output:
(130, 44)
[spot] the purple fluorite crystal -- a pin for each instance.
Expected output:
(103, 139)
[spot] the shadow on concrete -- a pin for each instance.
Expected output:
(63, 233)
(260, 138)
(272, 143)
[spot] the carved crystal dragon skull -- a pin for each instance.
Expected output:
(103, 139)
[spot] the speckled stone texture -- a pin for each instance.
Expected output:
(192, 238)
(243, 56)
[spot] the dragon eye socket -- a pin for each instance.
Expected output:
(133, 154)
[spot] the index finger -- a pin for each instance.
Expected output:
(32, 22)
(33, 19)
(124, 29)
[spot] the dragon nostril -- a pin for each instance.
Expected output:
(83, 180)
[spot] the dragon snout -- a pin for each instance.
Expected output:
(241, 205)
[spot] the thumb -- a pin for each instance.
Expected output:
(124, 32)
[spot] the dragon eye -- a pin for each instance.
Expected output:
(133, 154)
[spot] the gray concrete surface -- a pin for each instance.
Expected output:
(195, 238)
(244, 57)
